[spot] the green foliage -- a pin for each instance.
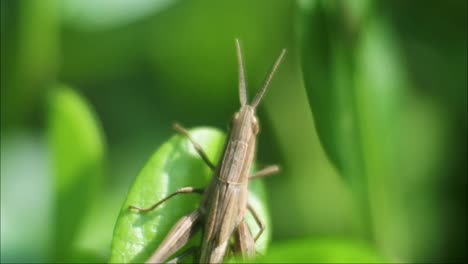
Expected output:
(30, 49)
(325, 250)
(77, 152)
(366, 118)
(356, 89)
(353, 81)
(174, 165)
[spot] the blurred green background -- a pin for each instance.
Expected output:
(367, 117)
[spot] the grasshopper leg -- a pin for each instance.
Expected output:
(177, 237)
(265, 171)
(244, 242)
(197, 146)
(259, 221)
(179, 191)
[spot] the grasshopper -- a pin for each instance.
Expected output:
(224, 202)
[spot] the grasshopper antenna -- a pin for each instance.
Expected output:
(260, 94)
(242, 88)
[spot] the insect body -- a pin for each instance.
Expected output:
(224, 203)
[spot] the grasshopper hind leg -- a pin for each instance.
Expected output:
(177, 237)
(244, 243)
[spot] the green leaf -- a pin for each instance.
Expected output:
(101, 15)
(355, 82)
(30, 37)
(380, 87)
(328, 44)
(174, 165)
(77, 152)
(325, 250)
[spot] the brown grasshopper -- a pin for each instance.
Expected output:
(224, 202)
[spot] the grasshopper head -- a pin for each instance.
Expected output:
(246, 119)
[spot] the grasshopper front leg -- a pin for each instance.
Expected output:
(197, 146)
(177, 237)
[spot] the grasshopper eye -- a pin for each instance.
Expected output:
(234, 118)
(255, 126)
